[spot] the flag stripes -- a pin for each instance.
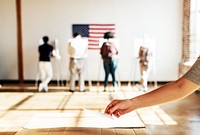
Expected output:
(93, 32)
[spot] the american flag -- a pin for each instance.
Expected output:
(94, 32)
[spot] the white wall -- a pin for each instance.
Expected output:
(8, 40)
(160, 19)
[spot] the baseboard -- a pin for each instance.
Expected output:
(55, 82)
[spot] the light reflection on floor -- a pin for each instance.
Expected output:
(17, 108)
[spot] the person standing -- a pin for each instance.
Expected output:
(77, 50)
(145, 59)
(46, 51)
(109, 54)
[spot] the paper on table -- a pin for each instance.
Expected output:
(98, 114)
(88, 118)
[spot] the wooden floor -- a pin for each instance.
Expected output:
(19, 104)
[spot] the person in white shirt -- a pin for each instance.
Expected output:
(77, 50)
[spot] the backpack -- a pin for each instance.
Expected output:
(108, 50)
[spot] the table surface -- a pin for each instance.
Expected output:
(84, 123)
(83, 131)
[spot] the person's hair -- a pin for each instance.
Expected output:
(108, 35)
(45, 39)
(76, 34)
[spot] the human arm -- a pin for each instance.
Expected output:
(102, 50)
(166, 93)
(70, 49)
(53, 53)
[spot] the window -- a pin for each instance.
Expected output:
(194, 30)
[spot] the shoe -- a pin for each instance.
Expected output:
(141, 88)
(115, 88)
(72, 91)
(145, 89)
(85, 90)
(40, 87)
(46, 89)
(105, 89)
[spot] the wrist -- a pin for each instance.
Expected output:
(137, 103)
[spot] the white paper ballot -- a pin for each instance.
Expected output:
(84, 118)
(98, 114)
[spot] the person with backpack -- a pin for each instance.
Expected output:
(109, 55)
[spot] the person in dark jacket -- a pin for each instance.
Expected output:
(46, 51)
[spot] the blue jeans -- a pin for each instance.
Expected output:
(110, 68)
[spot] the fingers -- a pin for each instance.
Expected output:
(121, 112)
(119, 107)
(118, 113)
(107, 108)
(110, 108)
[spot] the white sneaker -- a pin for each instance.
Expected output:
(46, 88)
(116, 88)
(41, 86)
(145, 89)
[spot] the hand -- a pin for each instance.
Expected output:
(119, 107)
